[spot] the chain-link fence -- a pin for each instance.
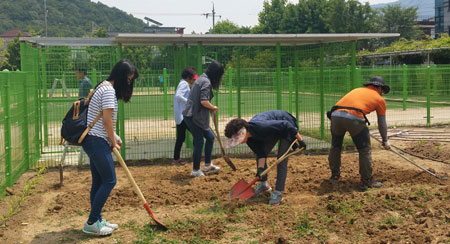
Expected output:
(305, 80)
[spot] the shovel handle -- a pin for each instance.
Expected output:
(283, 157)
(217, 131)
(137, 190)
(227, 160)
(130, 177)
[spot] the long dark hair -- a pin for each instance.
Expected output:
(214, 72)
(119, 74)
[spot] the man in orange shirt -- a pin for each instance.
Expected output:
(349, 114)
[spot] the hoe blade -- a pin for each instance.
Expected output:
(242, 190)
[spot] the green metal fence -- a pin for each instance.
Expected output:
(19, 127)
(305, 80)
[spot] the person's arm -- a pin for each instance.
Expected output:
(208, 105)
(118, 140)
(382, 128)
(179, 93)
(382, 125)
(109, 127)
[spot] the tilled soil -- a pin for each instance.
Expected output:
(411, 207)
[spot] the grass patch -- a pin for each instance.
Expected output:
(304, 226)
(16, 201)
(391, 221)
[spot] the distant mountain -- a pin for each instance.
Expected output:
(70, 18)
(425, 7)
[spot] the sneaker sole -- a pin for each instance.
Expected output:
(196, 176)
(276, 204)
(95, 233)
(210, 172)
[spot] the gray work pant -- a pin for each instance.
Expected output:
(360, 135)
(282, 167)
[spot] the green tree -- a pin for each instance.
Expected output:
(350, 17)
(269, 18)
(228, 27)
(395, 19)
(101, 32)
(11, 55)
(65, 17)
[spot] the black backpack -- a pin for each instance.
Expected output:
(74, 125)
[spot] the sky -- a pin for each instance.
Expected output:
(191, 13)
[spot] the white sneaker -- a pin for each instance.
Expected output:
(211, 169)
(110, 225)
(197, 173)
(97, 228)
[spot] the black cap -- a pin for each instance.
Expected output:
(378, 81)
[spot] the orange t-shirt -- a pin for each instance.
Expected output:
(365, 98)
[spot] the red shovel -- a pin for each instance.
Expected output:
(137, 190)
(243, 190)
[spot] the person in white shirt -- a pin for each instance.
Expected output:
(189, 75)
(101, 139)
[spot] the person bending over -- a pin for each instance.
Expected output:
(349, 114)
(261, 133)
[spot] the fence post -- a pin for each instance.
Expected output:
(24, 66)
(405, 85)
(37, 103)
(428, 96)
(199, 58)
(26, 149)
(290, 88)
(353, 70)
(230, 91)
(238, 80)
(348, 81)
(357, 78)
(278, 53)
(296, 78)
(44, 96)
(434, 80)
(121, 113)
(166, 116)
(94, 77)
(7, 130)
(322, 95)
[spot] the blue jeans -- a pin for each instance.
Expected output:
(198, 134)
(103, 174)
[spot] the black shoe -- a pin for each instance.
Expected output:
(334, 179)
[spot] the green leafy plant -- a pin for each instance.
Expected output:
(304, 225)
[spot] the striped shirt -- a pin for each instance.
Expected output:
(103, 98)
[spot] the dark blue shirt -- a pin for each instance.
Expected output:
(85, 87)
(268, 126)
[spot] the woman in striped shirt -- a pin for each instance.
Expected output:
(101, 139)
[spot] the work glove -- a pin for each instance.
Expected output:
(386, 145)
(299, 144)
(259, 171)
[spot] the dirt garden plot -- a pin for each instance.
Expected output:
(411, 207)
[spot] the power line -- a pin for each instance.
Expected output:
(213, 14)
(170, 14)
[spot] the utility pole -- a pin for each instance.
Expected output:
(213, 14)
(45, 16)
